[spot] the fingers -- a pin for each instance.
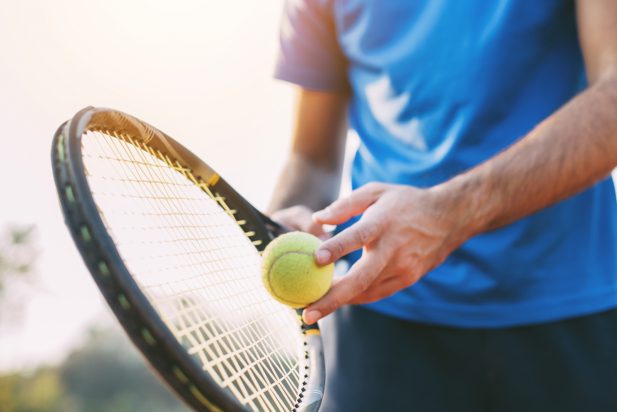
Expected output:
(343, 209)
(360, 277)
(299, 218)
(355, 237)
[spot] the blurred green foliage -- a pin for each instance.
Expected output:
(105, 374)
(37, 392)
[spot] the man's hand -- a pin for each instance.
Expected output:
(299, 218)
(405, 232)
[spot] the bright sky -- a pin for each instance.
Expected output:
(200, 70)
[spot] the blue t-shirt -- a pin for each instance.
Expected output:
(437, 87)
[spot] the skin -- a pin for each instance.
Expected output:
(407, 231)
(311, 177)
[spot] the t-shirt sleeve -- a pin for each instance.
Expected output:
(310, 55)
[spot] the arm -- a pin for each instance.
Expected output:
(310, 179)
(569, 151)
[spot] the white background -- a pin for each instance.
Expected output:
(200, 70)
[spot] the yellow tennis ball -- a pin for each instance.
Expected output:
(289, 271)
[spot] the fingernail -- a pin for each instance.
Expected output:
(322, 256)
(311, 316)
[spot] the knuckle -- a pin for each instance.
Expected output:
(363, 282)
(367, 233)
(337, 248)
(341, 204)
(363, 235)
(401, 267)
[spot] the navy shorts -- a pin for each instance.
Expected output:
(379, 363)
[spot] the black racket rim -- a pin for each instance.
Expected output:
(135, 313)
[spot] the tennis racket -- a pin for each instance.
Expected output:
(175, 251)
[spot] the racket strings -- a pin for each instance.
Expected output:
(168, 197)
(223, 383)
(214, 339)
(221, 345)
(248, 386)
(180, 237)
(198, 269)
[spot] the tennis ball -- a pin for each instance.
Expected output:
(289, 271)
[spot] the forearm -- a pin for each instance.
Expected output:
(302, 182)
(312, 172)
(568, 152)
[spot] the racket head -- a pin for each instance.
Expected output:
(204, 381)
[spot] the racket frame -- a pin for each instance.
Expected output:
(133, 310)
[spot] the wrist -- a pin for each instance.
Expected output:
(467, 202)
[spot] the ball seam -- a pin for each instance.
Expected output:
(269, 272)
